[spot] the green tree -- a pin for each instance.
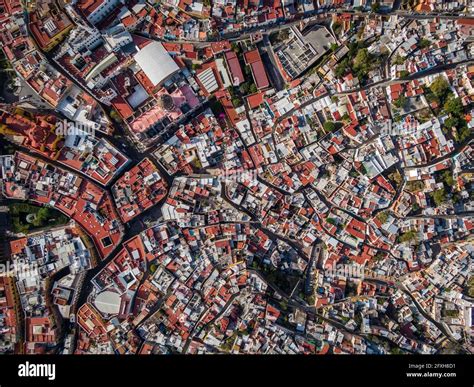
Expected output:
(115, 116)
(247, 71)
(448, 178)
(453, 106)
(244, 88)
(424, 43)
(451, 122)
(375, 7)
(235, 47)
(41, 217)
(363, 63)
(399, 60)
(439, 196)
(236, 102)
(415, 186)
(470, 284)
(383, 216)
(440, 87)
(361, 58)
(404, 73)
(463, 133)
(400, 102)
(337, 28)
(396, 177)
(408, 236)
(329, 126)
(341, 69)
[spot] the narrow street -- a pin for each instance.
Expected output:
(321, 240)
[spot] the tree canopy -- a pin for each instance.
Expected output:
(439, 196)
(329, 126)
(440, 87)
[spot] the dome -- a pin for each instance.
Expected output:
(108, 302)
(166, 102)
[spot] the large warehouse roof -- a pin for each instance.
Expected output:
(156, 63)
